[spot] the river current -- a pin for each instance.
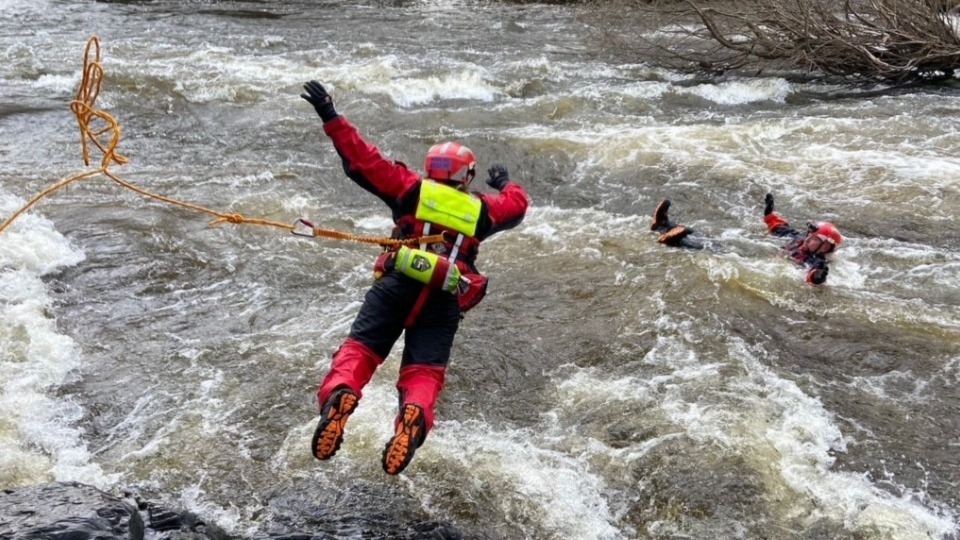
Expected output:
(608, 387)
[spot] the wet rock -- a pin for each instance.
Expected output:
(73, 511)
(361, 509)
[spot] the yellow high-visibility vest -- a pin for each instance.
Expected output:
(449, 207)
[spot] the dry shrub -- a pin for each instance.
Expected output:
(861, 40)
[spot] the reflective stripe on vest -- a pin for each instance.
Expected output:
(449, 207)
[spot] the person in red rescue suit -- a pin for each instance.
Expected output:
(421, 291)
(808, 248)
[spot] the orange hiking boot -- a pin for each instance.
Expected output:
(333, 418)
(410, 433)
(660, 219)
(674, 236)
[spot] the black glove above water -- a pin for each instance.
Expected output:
(498, 177)
(318, 97)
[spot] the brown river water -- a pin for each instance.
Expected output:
(608, 387)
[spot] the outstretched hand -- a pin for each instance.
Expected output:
(498, 177)
(768, 204)
(318, 96)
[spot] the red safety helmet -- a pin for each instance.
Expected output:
(444, 162)
(827, 232)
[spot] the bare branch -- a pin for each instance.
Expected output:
(857, 40)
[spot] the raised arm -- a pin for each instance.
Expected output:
(507, 208)
(362, 161)
(775, 223)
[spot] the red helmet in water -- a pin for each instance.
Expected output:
(827, 232)
(446, 160)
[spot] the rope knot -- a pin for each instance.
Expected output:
(229, 218)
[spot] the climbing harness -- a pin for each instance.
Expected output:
(101, 130)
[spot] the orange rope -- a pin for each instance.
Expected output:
(98, 128)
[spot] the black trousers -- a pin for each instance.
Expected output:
(385, 310)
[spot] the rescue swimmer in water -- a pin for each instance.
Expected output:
(808, 248)
(421, 292)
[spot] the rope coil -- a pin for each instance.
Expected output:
(101, 130)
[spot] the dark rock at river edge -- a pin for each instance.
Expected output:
(74, 511)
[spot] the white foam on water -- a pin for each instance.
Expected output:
(772, 419)
(59, 84)
(936, 172)
(805, 161)
(553, 490)
(193, 499)
(39, 437)
(804, 435)
(617, 148)
(568, 228)
(926, 267)
(950, 373)
(895, 386)
(419, 89)
(535, 65)
(21, 9)
(209, 74)
(882, 308)
(375, 223)
(741, 92)
(20, 62)
(646, 89)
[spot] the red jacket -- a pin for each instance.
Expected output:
(399, 188)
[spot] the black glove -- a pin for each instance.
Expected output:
(318, 97)
(768, 204)
(498, 177)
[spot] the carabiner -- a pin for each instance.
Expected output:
(304, 227)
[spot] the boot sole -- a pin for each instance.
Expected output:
(674, 235)
(399, 451)
(329, 432)
(660, 214)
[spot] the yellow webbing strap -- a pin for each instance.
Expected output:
(98, 128)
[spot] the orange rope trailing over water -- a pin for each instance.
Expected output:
(98, 128)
